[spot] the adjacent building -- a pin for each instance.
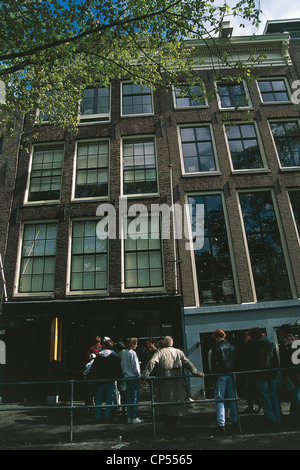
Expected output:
(225, 154)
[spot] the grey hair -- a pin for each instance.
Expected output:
(168, 341)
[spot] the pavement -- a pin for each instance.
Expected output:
(34, 427)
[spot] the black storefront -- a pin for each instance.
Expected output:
(33, 327)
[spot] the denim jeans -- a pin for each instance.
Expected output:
(104, 391)
(133, 394)
(225, 389)
(267, 390)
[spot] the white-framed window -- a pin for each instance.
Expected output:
(189, 97)
(286, 137)
(139, 166)
(143, 257)
(232, 96)
(91, 173)
(266, 245)
(45, 173)
(88, 259)
(198, 150)
(213, 262)
(245, 146)
(95, 105)
(274, 90)
(37, 258)
(294, 196)
(136, 99)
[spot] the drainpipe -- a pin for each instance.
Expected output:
(174, 229)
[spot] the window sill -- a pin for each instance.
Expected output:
(201, 174)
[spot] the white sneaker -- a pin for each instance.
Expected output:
(129, 420)
(137, 421)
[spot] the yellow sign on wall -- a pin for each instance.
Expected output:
(55, 340)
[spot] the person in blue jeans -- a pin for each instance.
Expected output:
(223, 362)
(105, 366)
(262, 355)
(132, 372)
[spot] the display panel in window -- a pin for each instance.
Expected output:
(92, 161)
(265, 246)
(136, 99)
(37, 268)
(287, 140)
(197, 149)
(139, 167)
(244, 147)
(46, 174)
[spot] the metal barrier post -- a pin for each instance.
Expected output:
(236, 403)
(153, 408)
(71, 409)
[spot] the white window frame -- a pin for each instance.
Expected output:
(265, 167)
(94, 198)
(199, 106)
(292, 212)
(231, 108)
(96, 118)
(230, 247)
(282, 240)
(160, 289)
(16, 292)
(215, 172)
(33, 148)
(272, 79)
(69, 292)
(274, 120)
(137, 138)
(128, 82)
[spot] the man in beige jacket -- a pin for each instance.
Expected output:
(171, 362)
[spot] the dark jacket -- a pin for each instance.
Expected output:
(106, 366)
(261, 354)
(223, 358)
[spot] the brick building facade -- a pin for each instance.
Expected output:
(236, 154)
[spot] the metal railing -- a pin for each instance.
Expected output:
(152, 403)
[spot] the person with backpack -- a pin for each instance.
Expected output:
(106, 365)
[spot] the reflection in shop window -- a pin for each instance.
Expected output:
(265, 248)
(213, 262)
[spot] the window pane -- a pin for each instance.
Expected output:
(264, 244)
(46, 174)
(92, 170)
(213, 265)
(89, 259)
(287, 140)
(197, 149)
(136, 99)
(137, 158)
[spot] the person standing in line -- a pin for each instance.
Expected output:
(105, 366)
(132, 372)
(171, 362)
(262, 355)
(223, 361)
(121, 384)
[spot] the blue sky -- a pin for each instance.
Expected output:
(271, 10)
